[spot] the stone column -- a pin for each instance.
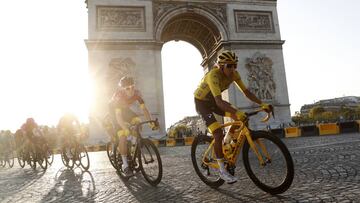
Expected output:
(121, 43)
(255, 38)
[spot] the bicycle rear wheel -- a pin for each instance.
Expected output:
(83, 157)
(150, 162)
(277, 174)
(207, 174)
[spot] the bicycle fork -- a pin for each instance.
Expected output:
(256, 150)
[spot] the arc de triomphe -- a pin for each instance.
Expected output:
(126, 37)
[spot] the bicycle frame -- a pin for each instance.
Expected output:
(243, 133)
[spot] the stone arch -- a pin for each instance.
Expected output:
(194, 25)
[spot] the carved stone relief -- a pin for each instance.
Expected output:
(118, 68)
(260, 76)
(160, 9)
(120, 18)
(253, 21)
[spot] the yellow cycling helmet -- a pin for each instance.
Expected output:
(227, 57)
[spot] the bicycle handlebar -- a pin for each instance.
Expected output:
(266, 118)
(137, 125)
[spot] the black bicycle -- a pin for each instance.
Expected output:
(143, 156)
(78, 155)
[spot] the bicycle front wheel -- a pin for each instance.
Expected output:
(150, 162)
(11, 158)
(20, 158)
(111, 154)
(275, 176)
(42, 160)
(50, 156)
(206, 173)
(84, 158)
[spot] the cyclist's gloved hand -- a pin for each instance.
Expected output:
(125, 132)
(240, 116)
(266, 107)
(154, 126)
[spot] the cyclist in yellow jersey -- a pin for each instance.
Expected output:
(208, 101)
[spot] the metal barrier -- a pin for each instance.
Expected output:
(349, 127)
(189, 140)
(170, 142)
(328, 129)
(309, 130)
(292, 132)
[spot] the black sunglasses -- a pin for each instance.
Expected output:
(231, 66)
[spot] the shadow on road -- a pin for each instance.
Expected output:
(144, 192)
(72, 186)
(255, 197)
(18, 181)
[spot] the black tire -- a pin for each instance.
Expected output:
(109, 152)
(11, 159)
(281, 167)
(209, 176)
(64, 158)
(84, 158)
(20, 158)
(150, 162)
(49, 156)
(68, 163)
(42, 159)
(32, 159)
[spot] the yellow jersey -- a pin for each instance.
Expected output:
(214, 82)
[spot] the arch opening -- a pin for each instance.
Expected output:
(195, 29)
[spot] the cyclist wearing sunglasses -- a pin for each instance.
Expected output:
(122, 116)
(208, 101)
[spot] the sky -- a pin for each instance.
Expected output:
(43, 59)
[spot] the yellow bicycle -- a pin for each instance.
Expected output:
(268, 164)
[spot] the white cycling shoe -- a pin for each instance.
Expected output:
(227, 177)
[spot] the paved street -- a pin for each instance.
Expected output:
(327, 169)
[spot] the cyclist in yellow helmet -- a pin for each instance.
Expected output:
(208, 101)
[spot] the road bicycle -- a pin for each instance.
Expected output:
(143, 155)
(38, 154)
(266, 158)
(78, 155)
(7, 157)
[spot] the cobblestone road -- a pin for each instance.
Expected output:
(327, 169)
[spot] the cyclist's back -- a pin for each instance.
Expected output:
(31, 130)
(69, 125)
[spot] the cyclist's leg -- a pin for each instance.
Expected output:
(130, 117)
(206, 110)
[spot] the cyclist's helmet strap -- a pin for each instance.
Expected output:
(227, 57)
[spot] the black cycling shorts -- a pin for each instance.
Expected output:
(206, 110)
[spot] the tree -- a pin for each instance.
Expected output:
(315, 112)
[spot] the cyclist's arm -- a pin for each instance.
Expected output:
(246, 92)
(146, 112)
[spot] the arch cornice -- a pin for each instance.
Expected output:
(186, 9)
